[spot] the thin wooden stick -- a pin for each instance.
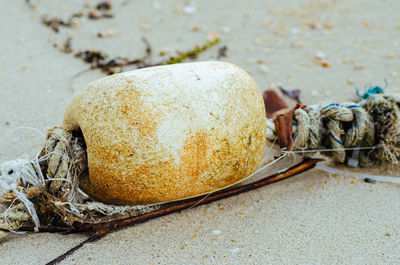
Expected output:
(92, 238)
(102, 229)
(306, 164)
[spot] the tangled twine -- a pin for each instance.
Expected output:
(362, 134)
(46, 189)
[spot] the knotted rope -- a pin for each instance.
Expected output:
(362, 134)
(46, 189)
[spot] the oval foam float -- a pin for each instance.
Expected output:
(169, 132)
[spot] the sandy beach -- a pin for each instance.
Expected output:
(326, 49)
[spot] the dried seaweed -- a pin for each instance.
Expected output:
(94, 15)
(55, 23)
(104, 6)
(222, 52)
(99, 60)
(192, 54)
(67, 46)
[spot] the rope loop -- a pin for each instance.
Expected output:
(335, 126)
(362, 134)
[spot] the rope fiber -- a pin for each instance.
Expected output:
(362, 134)
(46, 189)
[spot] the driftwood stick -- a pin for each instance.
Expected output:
(117, 224)
(60, 258)
(105, 227)
(102, 229)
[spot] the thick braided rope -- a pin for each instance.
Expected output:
(16, 216)
(326, 128)
(361, 134)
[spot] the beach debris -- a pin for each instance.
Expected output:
(96, 59)
(55, 23)
(95, 15)
(191, 54)
(222, 52)
(274, 102)
(104, 6)
(101, 11)
(67, 46)
(369, 180)
(294, 94)
(320, 58)
(107, 34)
(325, 64)
(100, 60)
(362, 133)
(144, 27)
(32, 6)
(277, 100)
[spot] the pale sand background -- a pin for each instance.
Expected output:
(313, 218)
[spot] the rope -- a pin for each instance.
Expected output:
(351, 132)
(16, 216)
(46, 189)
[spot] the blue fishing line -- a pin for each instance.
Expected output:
(354, 107)
(371, 92)
(333, 104)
